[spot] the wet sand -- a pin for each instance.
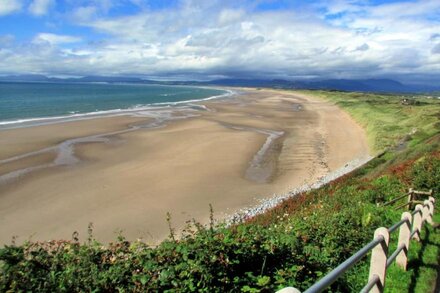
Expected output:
(125, 173)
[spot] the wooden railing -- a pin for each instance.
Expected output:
(412, 199)
(410, 227)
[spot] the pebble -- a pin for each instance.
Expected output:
(268, 203)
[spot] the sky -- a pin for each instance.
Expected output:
(210, 39)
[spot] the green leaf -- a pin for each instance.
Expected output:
(144, 280)
(263, 281)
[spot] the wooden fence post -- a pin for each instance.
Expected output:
(432, 200)
(417, 223)
(410, 198)
(378, 264)
(288, 290)
(426, 212)
(404, 237)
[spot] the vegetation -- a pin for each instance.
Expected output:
(293, 244)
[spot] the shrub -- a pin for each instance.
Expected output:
(426, 174)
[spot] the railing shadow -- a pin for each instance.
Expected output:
(437, 283)
(418, 263)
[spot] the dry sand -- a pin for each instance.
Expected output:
(132, 180)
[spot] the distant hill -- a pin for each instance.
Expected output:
(387, 85)
(42, 78)
(362, 85)
(106, 79)
(25, 78)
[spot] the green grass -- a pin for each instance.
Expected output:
(423, 265)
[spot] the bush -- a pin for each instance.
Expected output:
(426, 174)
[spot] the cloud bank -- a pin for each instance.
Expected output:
(212, 39)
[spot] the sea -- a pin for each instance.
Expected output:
(23, 104)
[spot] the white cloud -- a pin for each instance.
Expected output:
(54, 39)
(84, 13)
(10, 6)
(228, 16)
(420, 8)
(40, 7)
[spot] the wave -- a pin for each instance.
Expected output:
(227, 94)
(74, 115)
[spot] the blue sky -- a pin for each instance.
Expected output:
(199, 39)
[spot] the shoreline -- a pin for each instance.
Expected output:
(230, 153)
(271, 202)
(40, 121)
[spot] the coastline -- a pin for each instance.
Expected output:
(151, 163)
(39, 121)
(271, 202)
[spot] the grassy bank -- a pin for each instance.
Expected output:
(293, 244)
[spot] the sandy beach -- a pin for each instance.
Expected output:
(125, 173)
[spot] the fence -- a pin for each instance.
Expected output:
(410, 227)
(412, 196)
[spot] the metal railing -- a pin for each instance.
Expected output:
(409, 227)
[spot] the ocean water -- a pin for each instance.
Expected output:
(24, 103)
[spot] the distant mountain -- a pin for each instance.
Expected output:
(373, 85)
(110, 79)
(42, 78)
(25, 78)
(247, 82)
(362, 85)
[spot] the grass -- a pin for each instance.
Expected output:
(423, 265)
